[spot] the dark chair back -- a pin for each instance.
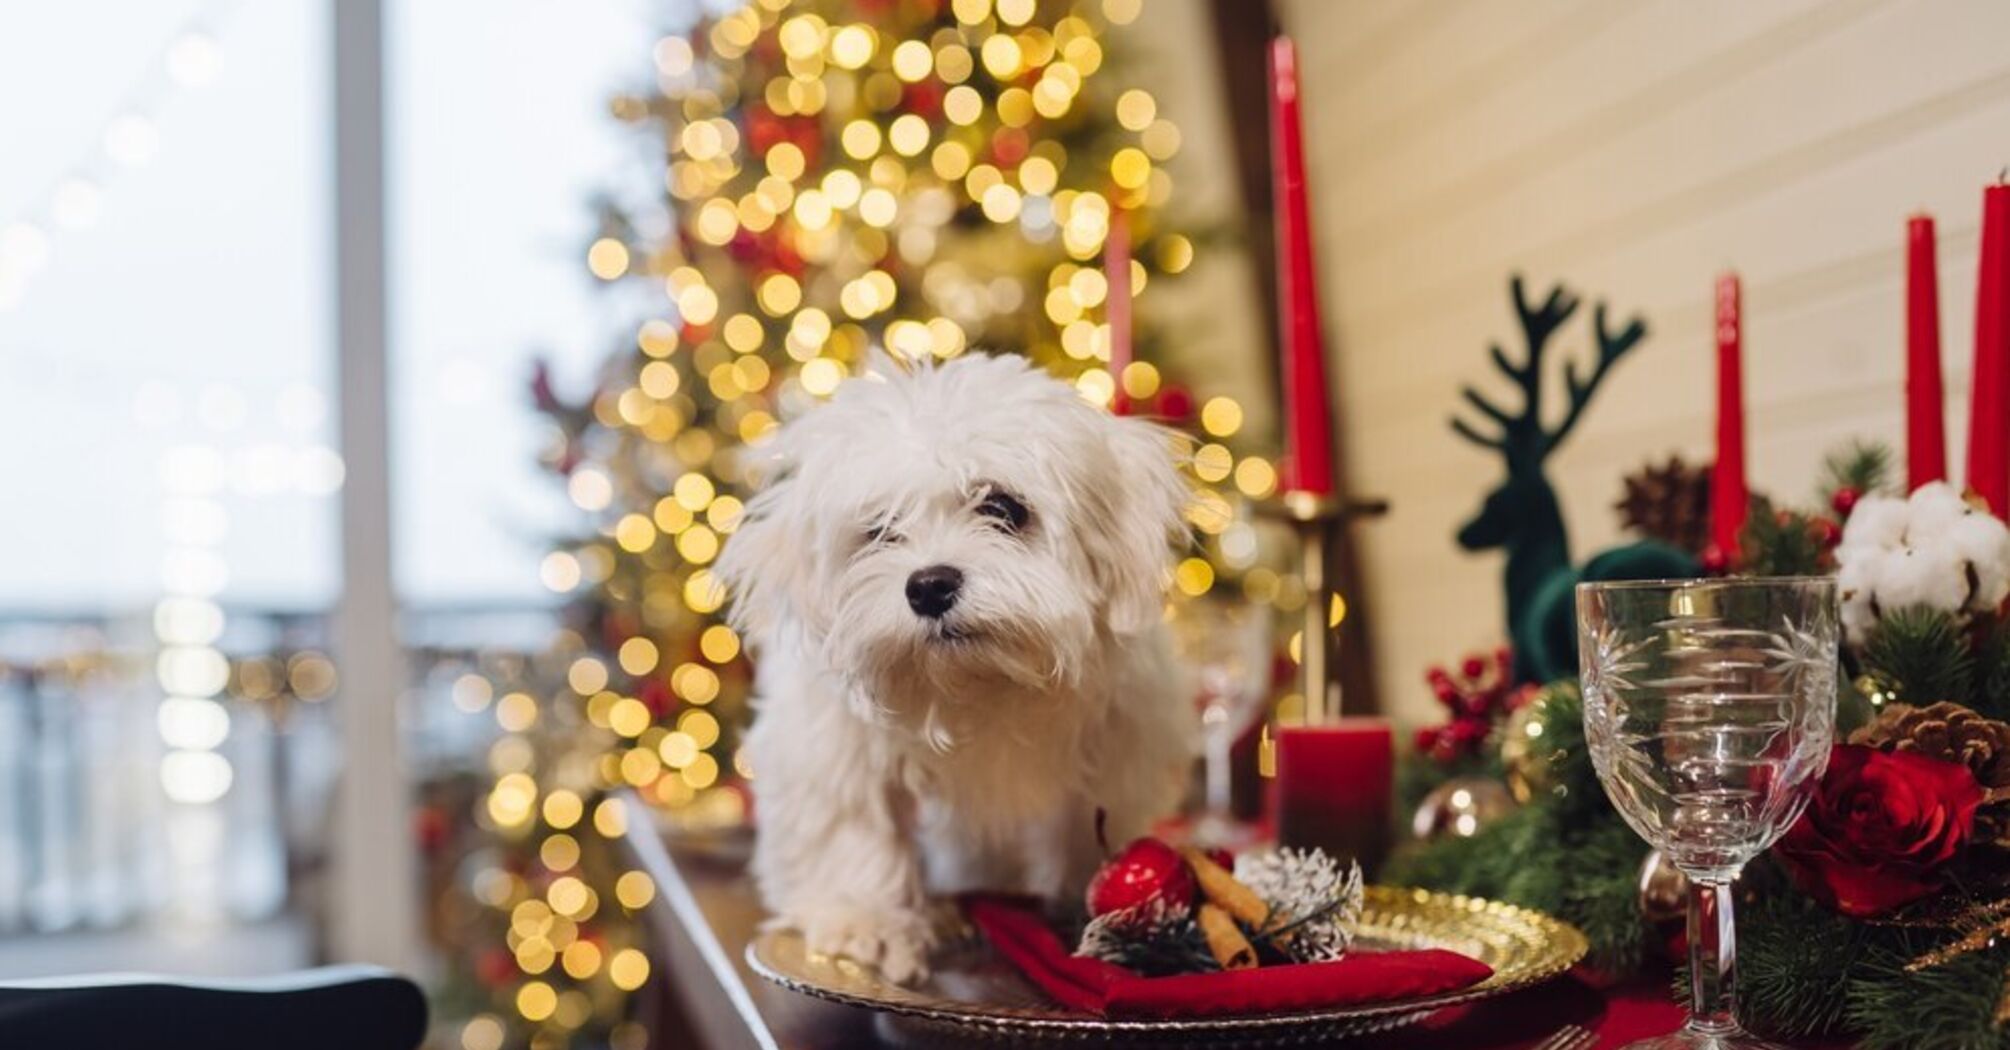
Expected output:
(334, 1008)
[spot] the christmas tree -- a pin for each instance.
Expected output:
(842, 178)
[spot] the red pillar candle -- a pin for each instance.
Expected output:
(1308, 438)
(1334, 787)
(1728, 495)
(1925, 412)
(1989, 406)
(1117, 272)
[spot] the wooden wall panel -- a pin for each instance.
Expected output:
(1633, 150)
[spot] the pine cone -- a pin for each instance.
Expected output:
(1669, 503)
(1952, 733)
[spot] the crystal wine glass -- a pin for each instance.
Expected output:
(1709, 707)
(1225, 645)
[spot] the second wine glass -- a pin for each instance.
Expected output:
(1709, 709)
(1225, 646)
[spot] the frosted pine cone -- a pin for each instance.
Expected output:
(1314, 902)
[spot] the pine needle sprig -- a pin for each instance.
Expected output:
(1151, 938)
(1991, 694)
(1923, 652)
(1864, 466)
(1780, 543)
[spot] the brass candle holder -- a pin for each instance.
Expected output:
(1333, 775)
(1317, 521)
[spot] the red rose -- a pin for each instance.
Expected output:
(1880, 828)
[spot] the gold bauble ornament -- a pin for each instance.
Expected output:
(1528, 767)
(1664, 899)
(1878, 689)
(1460, 807)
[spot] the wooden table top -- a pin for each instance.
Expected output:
(703, 915)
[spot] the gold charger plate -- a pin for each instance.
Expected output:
(976, 994)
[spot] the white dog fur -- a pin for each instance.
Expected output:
(897, 754)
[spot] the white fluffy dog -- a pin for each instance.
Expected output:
(953, 584)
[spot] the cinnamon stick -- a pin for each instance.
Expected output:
(1224, 939)
(1221, 889)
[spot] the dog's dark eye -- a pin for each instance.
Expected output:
(1005, 509)
(881, 534)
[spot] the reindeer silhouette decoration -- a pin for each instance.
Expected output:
(1522, 514)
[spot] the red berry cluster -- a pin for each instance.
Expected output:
(1476, 697)
(1826, 532)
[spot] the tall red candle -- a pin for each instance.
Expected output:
(1117, 272)
(1925, 412)
(1989, 407)
(1308, 436)
(1728, 496)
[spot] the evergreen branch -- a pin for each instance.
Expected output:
(1948, 1007)
(1923, 653)
(1991, 695)
(1780, 543)
(1864, 466)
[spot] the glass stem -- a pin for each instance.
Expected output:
(1218, 790)
(1713, 957)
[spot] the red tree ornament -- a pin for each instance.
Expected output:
(1144, 871)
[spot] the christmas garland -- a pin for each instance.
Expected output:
(1892, 931)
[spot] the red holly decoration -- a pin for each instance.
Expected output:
(1476, 697)
(1845, 500)
(1827, 532)
(1715, 561)
(1140, 873)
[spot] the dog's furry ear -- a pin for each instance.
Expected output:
(1137, 520)
(763, 562)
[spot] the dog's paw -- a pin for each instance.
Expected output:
(896, 942)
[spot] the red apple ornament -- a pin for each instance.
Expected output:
(1144, 871)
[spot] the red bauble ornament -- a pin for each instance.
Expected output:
(1827, 532)
(1715, 561)
(430, 825)
(1175, 404)
(1845, 500)
(1144, 871)
(495, 968)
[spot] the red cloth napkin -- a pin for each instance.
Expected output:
(1023, 937)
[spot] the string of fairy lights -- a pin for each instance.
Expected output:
(845, 177)
(129, 140)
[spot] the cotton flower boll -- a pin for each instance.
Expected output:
(1928, 575)
(1933, 549)
(1877, 523)
(1982, 542)
(1934, 508)
(1856, 581)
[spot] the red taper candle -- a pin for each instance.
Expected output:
(1308, 434)
(1117, 273)
(1728, 496)
(1925, 410)
(1989, 406)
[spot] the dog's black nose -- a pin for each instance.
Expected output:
(931, 592)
